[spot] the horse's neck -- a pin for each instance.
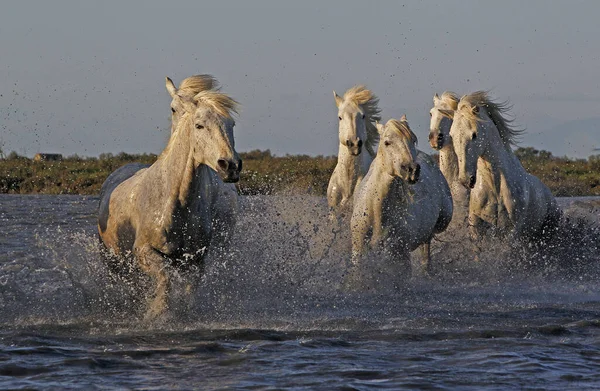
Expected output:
(386, 184)
(449, 163)
(501, 161)
(353, 167)
(175, 171)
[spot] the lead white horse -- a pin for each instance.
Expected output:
(357, 114)
(503, 194)
(440, 140)
(403, 201)
(173, 210)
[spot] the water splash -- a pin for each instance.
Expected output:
(285, 271)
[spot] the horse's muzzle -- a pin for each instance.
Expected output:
(355, 147)
(414, 172)
(436, 142)
(470, 182)
(229, 170)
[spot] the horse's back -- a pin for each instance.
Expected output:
(117, 177)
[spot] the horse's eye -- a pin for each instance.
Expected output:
(386, 143)
(173, 110)
(340, 118)
(474, 136)
(198, 126)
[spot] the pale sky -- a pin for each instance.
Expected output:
(88, 77)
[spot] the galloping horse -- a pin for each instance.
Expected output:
(176, 207)
(357, 114)
(403, 200)
(503, 194)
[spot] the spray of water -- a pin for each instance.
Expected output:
(285, 270)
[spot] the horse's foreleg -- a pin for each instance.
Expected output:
(425, 261)
(153, 264)
(475, 233)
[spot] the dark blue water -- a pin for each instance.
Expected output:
(270, 313)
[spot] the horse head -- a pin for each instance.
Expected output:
(398, 150)
(439, 125)
(468, 137)
(357, 110)
(480, 126)
(207, 117)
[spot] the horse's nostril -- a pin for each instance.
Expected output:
(223, 164)
(349, 143)
(239, 165)
(360, 143)
(472, 180)
(440, 138)
(430, 136)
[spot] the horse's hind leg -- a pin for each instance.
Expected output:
(153, 263)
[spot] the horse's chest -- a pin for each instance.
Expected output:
(497, 208)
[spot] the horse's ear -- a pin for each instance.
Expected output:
(338, 99)
(380, 127)
(436, 99)
(447, 113)
(171, 87)
(403, 118)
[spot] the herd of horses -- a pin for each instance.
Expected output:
(174, 210)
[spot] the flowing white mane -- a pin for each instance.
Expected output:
(192, 85)
(496, 111)
(403, 129)
(368, 102)
(221, 103)
(451, 99)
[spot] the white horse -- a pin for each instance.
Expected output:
(357, 114)
(176, 208)
(403, 200)
(440, 140)
(503, 194)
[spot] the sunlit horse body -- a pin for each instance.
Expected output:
(403, 200)
(175, 208)
(357, 114)
(439, 139)
(503, 195)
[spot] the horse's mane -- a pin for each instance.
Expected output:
(368, 102)
(451, 99)
(193, 85)
(496, 111)
(222, 103)
(402, 128)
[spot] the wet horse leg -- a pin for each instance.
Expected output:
(476, 228)
(425, 261)
(152, 263)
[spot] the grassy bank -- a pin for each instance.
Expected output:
(264, 173)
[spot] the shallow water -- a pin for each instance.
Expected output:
(270, 313)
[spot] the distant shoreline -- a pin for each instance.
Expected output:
(265, 173)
